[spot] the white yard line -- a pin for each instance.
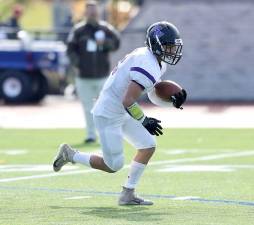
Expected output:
(14, 151)
(46, 175)
(183, 198)
(201, 158)
(173, 168)
(77, 197)
(32, 168)
(204, 158)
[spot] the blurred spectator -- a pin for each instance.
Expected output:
(13, 23)
(89, 44)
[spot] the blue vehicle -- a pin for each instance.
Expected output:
(30, 69)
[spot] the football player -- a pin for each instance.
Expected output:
(117, 114)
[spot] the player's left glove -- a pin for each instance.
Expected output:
(152, 125)
(179, 98)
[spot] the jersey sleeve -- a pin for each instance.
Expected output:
(163, 68)
(144, 76)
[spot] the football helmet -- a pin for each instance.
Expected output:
(163, 39)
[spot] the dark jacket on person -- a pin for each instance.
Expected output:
(13, 25)
(91, 59)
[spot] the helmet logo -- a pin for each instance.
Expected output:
(157, 31)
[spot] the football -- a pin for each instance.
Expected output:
(160, 95)
(165, 89)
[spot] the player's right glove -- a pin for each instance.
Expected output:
(153, 126)
(179, 98)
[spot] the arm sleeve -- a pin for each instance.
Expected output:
(72, 48)
(164, 68)
(143, 77)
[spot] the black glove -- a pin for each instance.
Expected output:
(153, 126)
(179, 98)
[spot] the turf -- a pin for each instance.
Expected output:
(89, 197)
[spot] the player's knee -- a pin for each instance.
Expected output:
(147, 152)
(151, 143)
(116, 163)
(152, 148)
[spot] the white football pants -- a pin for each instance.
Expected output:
(113, 130)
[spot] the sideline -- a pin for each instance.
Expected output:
(55, 109)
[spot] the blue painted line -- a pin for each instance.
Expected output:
(231, 202)
(109, 193)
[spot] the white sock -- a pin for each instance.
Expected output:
(83, 158)
(135, 173)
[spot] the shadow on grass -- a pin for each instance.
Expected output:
(128, 213)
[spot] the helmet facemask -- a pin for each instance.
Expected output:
(168, 52)
(171, 54)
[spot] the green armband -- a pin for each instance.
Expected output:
(135, 111)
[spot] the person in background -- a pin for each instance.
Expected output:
(88, 47)
(13, 22)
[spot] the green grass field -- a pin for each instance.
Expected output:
(197, 177)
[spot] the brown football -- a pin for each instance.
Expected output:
(166, 88)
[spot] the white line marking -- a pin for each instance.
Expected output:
(14, 152)
(77, 197)
(176, 151)
(204, 158)
(185, 198)
(243, 166)
(32, 168)
(197, 168)
(46, 175)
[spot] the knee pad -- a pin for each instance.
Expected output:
(115, 162)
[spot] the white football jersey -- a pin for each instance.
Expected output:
(140, 66)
